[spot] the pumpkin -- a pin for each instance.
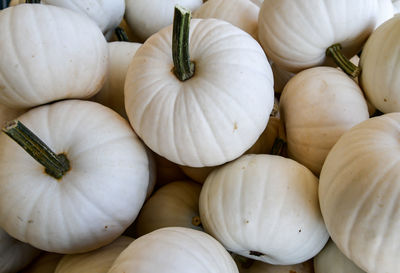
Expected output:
(206, 117)
(106, 13)
(240, 13)
(96, 261)
(146, 17)
(257, 2)
(386, 11)
(264, 207)
(45, 263)
(49, 53)
(173, 205)
(380, 72)
(75, 207)
(174, 250)
(296, 34)
(359, 186)
(14, 255)
(396, 6)
(252, 266)
(317, 106)
(332, 260)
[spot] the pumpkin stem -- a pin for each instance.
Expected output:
(196, 221)
(55, 165)
(183, 67)
(278, 146)
(121, 34)
(348, 67)
(32, 1)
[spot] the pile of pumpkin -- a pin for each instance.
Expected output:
(229, 142)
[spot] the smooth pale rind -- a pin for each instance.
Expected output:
(317, 106)
(296, 33)
(332, 260)
(49, 53)
(240, 13)
(107, 14)
(146, 17)
(264, 207)
(175, 250)
(380, 67)
(211, 118)
(95, 201)
(359, 185)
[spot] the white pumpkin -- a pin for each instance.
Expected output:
(380, 67)
(112, 93)
(175, 250)
(14, 255)
(252, 266)
(359, 194)
(95, 200)
(386, 11)
(264, 207)
(240, 13)
(49, 53)
(296, 34)
(146, 17)
(173, 205)
(332, 260)
(106, 13)
(45, 263)
(317, 106)
(214, 116)
(96, 261)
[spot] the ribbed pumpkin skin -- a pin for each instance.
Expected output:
(213, 117)
(49, 53)
(175, 250)
(95, 201)
(317, 106)
(264, 207)
(360, 194)
(296, 33)
(380, 67)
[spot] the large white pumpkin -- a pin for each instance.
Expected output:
(264, 207)
(95, 200)
(49, 53)
(211, 118)
(359, 194)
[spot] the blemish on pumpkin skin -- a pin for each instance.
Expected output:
(235, 126)
(30, 221)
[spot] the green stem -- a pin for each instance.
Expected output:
(348, 67)
(55, 165)
(121, 34)
(278, 146)
(183, 67)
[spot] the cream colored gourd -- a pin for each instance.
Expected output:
(295, 34)
(264, 207)
(380, 67)
(317, 106)
(107, 14)
(359, 185)
(94, 201)
(96, 261)
(332, 260)
(240, 13)
(173, 205)
(112, 93)
(45, 263)
(212, 117)
(14, 255)
(49, 53)
(251, 266)
(146, 17)
(175, 250)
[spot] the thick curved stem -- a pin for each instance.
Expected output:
(183, 67)
(348, 67)
(55, 165)
(121, 34)
(278, 146)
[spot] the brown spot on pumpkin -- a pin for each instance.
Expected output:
(30, 221)
(247, 221)
(385, 99)
(299, 230)
(106, 227)
(235, 126)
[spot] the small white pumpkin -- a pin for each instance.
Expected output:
(45, 263)
(264, 207)
(175, 250)
(380, 67)
(317, 106)
(94, 200)
(49, 53)
(14, 255)
(359, 194)
(332, 260)
(96, 261)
